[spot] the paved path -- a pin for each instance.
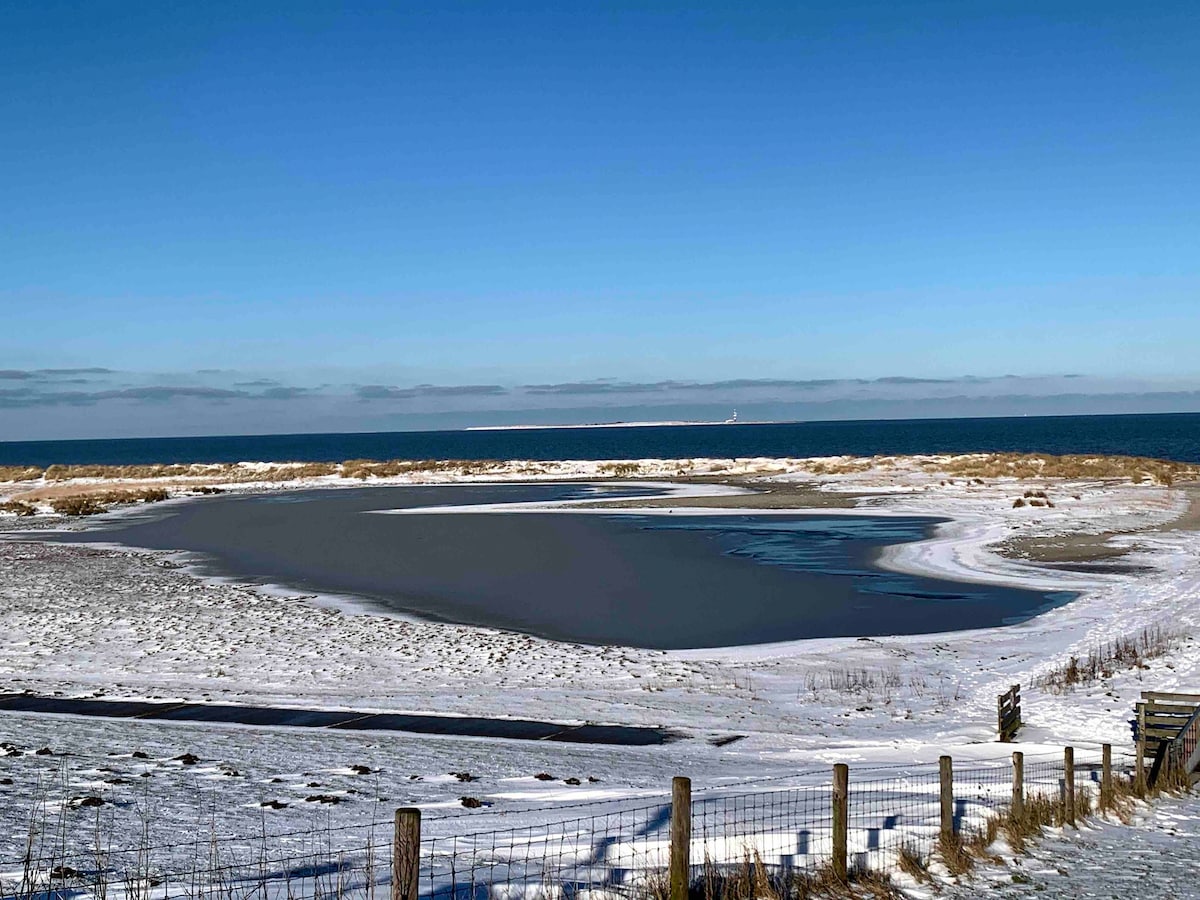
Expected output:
(1158, 857)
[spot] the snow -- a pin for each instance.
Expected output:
(1154, 855)
(88, 621)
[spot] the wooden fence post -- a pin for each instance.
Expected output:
(841, 820)
(681, 837)
(1069, 786)
(406, 854)
(1106, 777)
(1140, 776)
(946, 771)
(1018, 795)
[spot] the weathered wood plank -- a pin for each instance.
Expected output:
(1193, 699)
(1177, 709)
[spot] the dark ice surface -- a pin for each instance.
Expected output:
(660, 581)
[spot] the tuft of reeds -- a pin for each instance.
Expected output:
(1105, 659)
(751, 879)
(848, 680)
(1038, 811)
(912, 863)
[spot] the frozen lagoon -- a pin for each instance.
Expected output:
(654, 581)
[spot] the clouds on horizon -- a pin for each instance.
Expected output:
(100, 402)
(391, 392)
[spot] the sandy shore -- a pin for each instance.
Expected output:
(1068, 549)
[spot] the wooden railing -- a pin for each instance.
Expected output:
(1164, 718)
(1185, 749)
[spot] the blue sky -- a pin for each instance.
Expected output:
(337, 197)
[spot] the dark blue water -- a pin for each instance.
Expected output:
(1174, 436)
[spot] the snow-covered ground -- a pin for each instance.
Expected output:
(90, 621)
(1154, 855)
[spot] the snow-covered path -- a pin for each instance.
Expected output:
(1157, 855)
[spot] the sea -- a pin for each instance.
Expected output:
(1164, 436)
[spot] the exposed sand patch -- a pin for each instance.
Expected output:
(774, 495)
(1097, 548)
(1190, 520)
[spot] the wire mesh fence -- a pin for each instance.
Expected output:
(737, 842)
(617, 850)
(889, 815)
(780, 830)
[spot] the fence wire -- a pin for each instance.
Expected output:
(772, 831)
(889, 815)
(622, 851)
(743, 842)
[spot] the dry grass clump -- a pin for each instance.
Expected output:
(913, 864)
(620, 469)
(1120, 800)
(146, 495)
(959, 853)
(20, 473)
(847, 466)
(1104, 660)
(1073, 466)
(853, 680)
(752, 880)
(65, 473)
(77, 506)
(367, 468)
(233, 472)
(954, 855)
(93, 504)
(1038, 812)
(1173, 779)
(1084, 806)
(18, 508)
(972, 467)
